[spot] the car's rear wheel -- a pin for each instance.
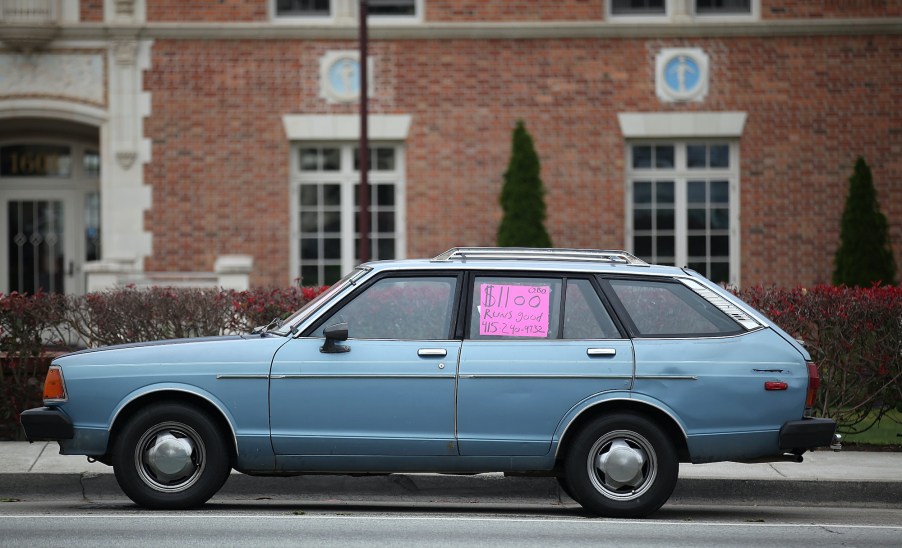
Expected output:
(622, 465)
(170, 456)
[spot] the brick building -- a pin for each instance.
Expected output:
(213, 141)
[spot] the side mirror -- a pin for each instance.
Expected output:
(333, 334)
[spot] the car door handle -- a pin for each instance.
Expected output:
(428, 352)
(601, 352)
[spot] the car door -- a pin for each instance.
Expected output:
(731, 388)
(535, 347)
(391, 393)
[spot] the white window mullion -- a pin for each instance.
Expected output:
(680, 201)
(348, 253)
(400, 208)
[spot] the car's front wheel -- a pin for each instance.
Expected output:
(170, 456)
(622, 465)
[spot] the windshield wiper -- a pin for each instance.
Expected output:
(264, 329)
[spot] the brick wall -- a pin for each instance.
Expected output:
(90, 11)
(207, 10)
(220, 157)
(492, 10)
(777, 9)
(514, 10)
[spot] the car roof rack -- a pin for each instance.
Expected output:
(538, 253)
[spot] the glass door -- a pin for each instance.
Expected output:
(35, 236)
(49, 214)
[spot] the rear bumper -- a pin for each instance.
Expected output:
(807, 433)
(46, 424)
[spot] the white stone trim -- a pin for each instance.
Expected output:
(675, 125)
(345, 127)
(55, 109)
(124, 149)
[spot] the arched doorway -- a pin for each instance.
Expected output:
(49, 204)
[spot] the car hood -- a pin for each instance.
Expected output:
(230, 348)
(145, 344)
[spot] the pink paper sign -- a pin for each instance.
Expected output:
(514, 310)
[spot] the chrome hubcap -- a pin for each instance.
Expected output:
(170, 457)
(622, 465)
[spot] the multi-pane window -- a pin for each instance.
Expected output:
(303, 7)
(725, 7)
(325, 8)
(680, 9)
(327, 209)
(682, 206)
(392, 8)
(638, 7)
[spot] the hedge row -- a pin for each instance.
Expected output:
(34, 328)
(854, 334)
(855, 337)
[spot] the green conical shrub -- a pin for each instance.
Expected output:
(523, 196)
(864, 256)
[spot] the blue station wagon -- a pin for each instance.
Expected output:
(589, 366)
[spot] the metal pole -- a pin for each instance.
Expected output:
(364, 161)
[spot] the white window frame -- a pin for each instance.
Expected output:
(753, 15)
(609, 14)
(345, 11)
(680, 174)
(347, 178)
(681, 11)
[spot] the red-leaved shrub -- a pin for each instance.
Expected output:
(855, 337)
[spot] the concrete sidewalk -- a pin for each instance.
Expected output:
(848, 478)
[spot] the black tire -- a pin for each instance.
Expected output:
(565, 487)
(622, 465)
(193, 467)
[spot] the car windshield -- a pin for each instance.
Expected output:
(303, 312)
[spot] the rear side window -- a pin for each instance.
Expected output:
(670, 309)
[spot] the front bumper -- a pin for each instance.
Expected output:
(46, 424)
(807, 433)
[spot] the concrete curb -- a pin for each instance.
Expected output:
(480, 488)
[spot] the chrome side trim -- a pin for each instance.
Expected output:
(537, 376)
(358, 376)
(701, 337)
(666, 377)
(263, 376)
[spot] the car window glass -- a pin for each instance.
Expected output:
(670, 309)
(584, 315)
(399, 308)
(515, 308)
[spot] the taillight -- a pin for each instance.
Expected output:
(814, 382)
(54, 387)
